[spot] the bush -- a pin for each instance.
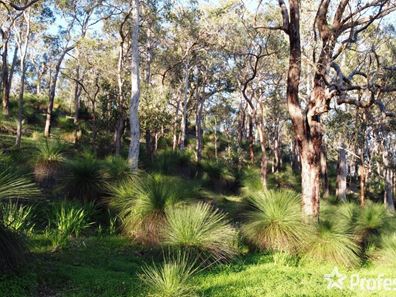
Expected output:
(387, 255)
(173, 162)
(49, 158)
(170, 279)
(16, 216)
(141, 202)
(12, 246)
(276, 222)
(69, 221)
(116, 169)
(200, 228)
(332, 244)
(84, 180)
(12, 249)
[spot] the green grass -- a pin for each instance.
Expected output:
(113, 270)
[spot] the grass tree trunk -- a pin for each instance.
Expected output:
(341, 174)
(133, 154)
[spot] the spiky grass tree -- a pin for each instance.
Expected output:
(275, 223)
(141, 201)
(202, 229)
(331, 243)
(172, 278)
(84, 180)
(12, 246)
(49, 159)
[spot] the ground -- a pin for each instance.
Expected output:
(108, 266)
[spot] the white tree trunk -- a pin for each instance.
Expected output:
(341, 175)
(184, 113)
(133, 155)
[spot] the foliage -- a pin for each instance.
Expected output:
(17, 217)
(141, 202)
(172, 278)
(69, 221)
(332, 244)
(387, 254)
(116, 169)
(173, 162)
(200, 228)
(84, 180)
(275, 223)
(13, 186)
(12, 249)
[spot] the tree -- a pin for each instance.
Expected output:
(348, 21)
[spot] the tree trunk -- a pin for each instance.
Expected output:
(251, 139)
(198, 129)
(50, 108)
(362, 182)
(118, 135)
(77, 95)
(133, 154)
(323, 172)
(341, 174)
(175, 137)
(185, 101)
(20, 104)
(310, 180)
(148, 144)
(388, 195)
(215, 139)
(4, 76)
(264, 162)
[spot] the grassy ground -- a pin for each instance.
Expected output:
(109, 266)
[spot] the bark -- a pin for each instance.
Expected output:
(118, 135)
(341, 175)
(4, 76)
(133, 154)
(251, 139)
(148, 144)
(241, 123)
(77, 96)
(215, 139)
(264, 161)
(362, 183)
(175, 124)
(277, 157)
(323, 172)
(388, 195)
(185, 101)
(23, 46)
(198, 129)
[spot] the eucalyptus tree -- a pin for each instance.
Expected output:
(337, 27)
(75, 14)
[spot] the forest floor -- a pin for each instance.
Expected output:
(109, 266)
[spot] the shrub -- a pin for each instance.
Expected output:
(173, 162)
(116, 169)
(49, 158)
(332, 244)
(275, 223)
(12, 246)
(372, 220)
(12, 249)
(202, 229)
(141, 202)
(387, 255)
(251, 181)
(84, 180)
(170, 279)
(69, 221)
(16, 216)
